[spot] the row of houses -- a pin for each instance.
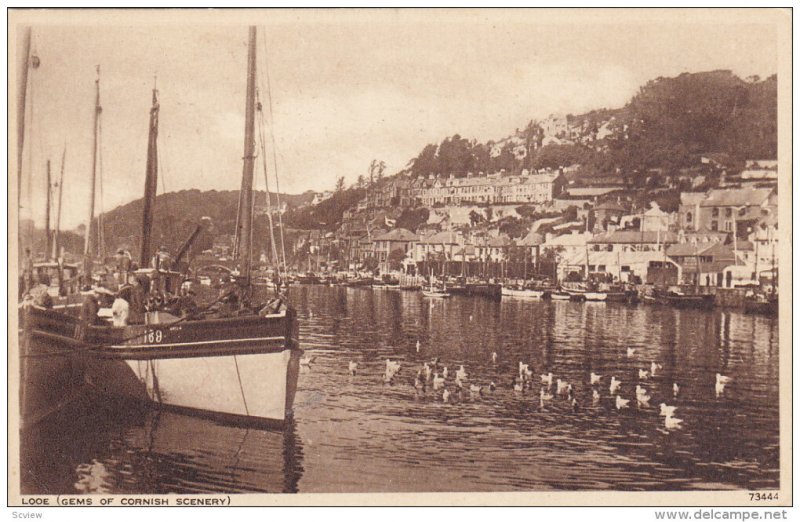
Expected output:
(687, 243)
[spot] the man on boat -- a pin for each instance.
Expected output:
(38, 295)
(123, 259)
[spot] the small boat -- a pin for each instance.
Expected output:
(560, 295)
(436, 293)
(680, 300)
(522, 292)
(761, 304)
(595, 296)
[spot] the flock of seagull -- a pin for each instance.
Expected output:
(436, 376)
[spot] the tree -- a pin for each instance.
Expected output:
(489, 213)
(395, 259)
(360, 182)
(340, 184)
(474, 218)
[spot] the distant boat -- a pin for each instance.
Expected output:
(761, 304)
(680, 300)
(522, 293)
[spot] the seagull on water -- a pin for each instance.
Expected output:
(595, 396)
(719, 387)
(654, 367)
(494, 357)
(492, 386)
(666, 411)
(672, 423)
(461, 374)
(548, 379)
(643, 374)
(594, 378)
(518, 386)
(675, 389)
(307, 361)
(352, 367)
(615, 384)
(544, 396)
(561, 386)
(418, 345)
(446, 395)
(474, 388)
(438, 382)
(630, 352)
(444, 372)
(622, 403)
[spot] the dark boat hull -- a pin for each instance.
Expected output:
(237, 367)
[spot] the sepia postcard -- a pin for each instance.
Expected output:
(400, 257)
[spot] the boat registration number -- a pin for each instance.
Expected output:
(154, 336)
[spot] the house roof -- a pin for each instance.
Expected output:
(692, 198)
(440, 238)
(398, 234)
(610, 205)
(736, 197)
(532, 239)
(634, 237)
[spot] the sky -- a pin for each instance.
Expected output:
(346, 87)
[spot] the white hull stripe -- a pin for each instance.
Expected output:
(198, 343)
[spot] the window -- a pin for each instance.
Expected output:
(625, 268)
(742, 211)
(728, 226)
(688, 217)
(601, 268)
(714, 226)
(728, 212)
(715, 212)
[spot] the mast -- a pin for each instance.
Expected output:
(57, 238)
(245, 222)
(150, 184)
(21, 100)
(87, 255)
(48, 237)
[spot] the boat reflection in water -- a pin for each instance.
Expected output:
(124, 448)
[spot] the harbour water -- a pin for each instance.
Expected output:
(358, 434)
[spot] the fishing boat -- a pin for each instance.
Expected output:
(560, 295)
(236, 359)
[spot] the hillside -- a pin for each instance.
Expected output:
(177, 213)
(667, 124)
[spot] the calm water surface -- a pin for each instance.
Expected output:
(357, 434)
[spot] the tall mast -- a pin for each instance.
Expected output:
(150, 184)
(48, 237)
(21, 100)
(57, 238)
(87, 252)
(245, 221)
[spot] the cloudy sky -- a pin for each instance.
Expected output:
(347, 87)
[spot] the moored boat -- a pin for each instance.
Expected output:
(522, 293)
(235, 359)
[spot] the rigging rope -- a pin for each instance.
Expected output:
(241, 386)
(274, 150)
(266, 183)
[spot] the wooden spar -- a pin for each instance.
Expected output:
(245, 223)
(150, 185)
(47, 235)
(87, 252)
(21, 100)
(57, 238)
